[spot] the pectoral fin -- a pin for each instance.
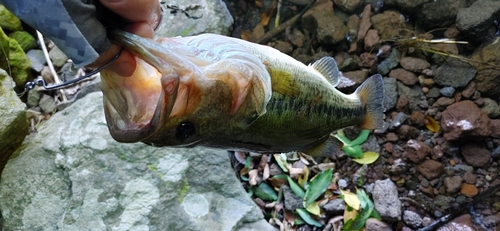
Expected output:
(327, 148)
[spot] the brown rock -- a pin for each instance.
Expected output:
(368, 59)
(470, 178)
(388, 147)
(358, 77)
(389, 24)
(296, 37)
(452, 184)
(469, 90)
(416, 150)
(430, 169)
(329, 28)
(407, 132)
(495, 128)
(462, 222)
(443, 102)
(402, 103)
(373, 224)
(347, 5)
(429, 191)
(487, 75)
(469, 190)
(417, 119)
(392, 137)
(414, 64)
(476, 155)
(365, 24)
(284, 47)
(371, 39)
(406, 77)
(464, 120)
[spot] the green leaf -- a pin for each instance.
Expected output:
(281, 160)
(367, 207)
(265, 192)
(308, 218)
(362, 137)
(313, 208)
(295, 187)
(351, 199)
(318, 186)
(353, 151)
(367, 158)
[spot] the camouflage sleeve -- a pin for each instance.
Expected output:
(70, 24)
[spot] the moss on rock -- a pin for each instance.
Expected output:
(25, 40)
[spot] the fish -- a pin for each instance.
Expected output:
(222, 92)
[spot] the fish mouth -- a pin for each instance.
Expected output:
(134, 106)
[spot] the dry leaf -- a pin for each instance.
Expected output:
(351, 199)
(266, 16)
(252, 177)
(431, 124)
(367, 158)
(246, 35)
(265, 173)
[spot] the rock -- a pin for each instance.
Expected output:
(416, 150)
(214, 17)
(442, 201)
(430, 169)
(476, 19)
(48, 104)
(398, 120)
(476, 155)
(443, 102)
(433, 93)
(390, 93)
(439, 14)
(406, 77)
(368, 60)
(389, 24)
(385, 198)
(495, 128)
(453, 184)
(18, 64)
(296, 37)
(486, 77)
(414, 95)
(348, 6)
(390, 62)
(329, 28)
(291, 201)
(9, 21)
(469, 90)
(14, 124)
(469, 177)
(391, 137)
(454, 73)
(407, 6)
(414, 64)
(447, 91)
(373, 224)
(37, 59)
(417, 119)
(355, 78)
(491, 108)
(469, 190)
(24, 39)
(398, 167)
(350, 63)
(407, 132)
(57, 56)
(462, 223)
(412, 219)
(371, 39)
(464, 120)
(335, 206)
(365, 23)
(72, 174)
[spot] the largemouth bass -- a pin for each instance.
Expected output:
(223, 92)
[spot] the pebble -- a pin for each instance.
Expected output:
(398, 120)
(430, 169)
(335, 206)
(390, 62)
(412, 219)
(414, 64)
(406, 77)
(47, 104)
(464, 119)
(386, 200)
(452, 184)
(291, 201)
(373, 224)
(469, 190)
(454, 73)
(58, 57)
(491, 108)
(407, 132)
(37, 59)
(416, 150)
(442, 201)
(496, 153)
(447, 91)
(475, 155)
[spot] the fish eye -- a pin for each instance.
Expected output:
(185, 130)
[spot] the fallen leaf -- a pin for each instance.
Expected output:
(302, 180)
(266, 16)
(350, 215)
(278, 180)
(351, 199)
(431, 124)
(281, 160)
(367, 158)
(313, 208)
(318, 186)
(265, 173)
(295, 188)
(246, 35)
(308, 218)
(252, 177)
(265, 192)
(247, 167)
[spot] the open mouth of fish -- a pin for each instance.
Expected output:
(134, 106)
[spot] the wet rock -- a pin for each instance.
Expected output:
(350, 63)
(414, 64)
(9, 21)
(476, 155)
(464, 120)
(390, 62)
(373, 224)
(491, 108)
(414, 95)
(469, 190)
(335, 206)
(406, 77)
(390, 93)
(454, 73)
(385, 198)
(475, 20)
(452, 184)
(371, 39)
(37, 59)
(398, 120)
(487, 75)
(402, 104)
(14, 124)
(33, 98)
(58, 57)
(416, 150)
(496, 153)
(291, 201)
(25, 40)
(447, 91)
(389, 24)
(430, 169)
(347, 5)
(439, 14)
(412, 219)
(74, 174)
(356, 78)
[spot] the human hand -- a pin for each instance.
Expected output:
(143, 17)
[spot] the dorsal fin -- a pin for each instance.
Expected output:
(328, 68)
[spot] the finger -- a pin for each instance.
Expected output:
(124, 65)
(136, 10)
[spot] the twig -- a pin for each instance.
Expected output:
(270, 34)
(49, 63)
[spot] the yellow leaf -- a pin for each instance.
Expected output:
(367, 158)
(313, 208)
(431, 124)
(351, 199)
(349, 215)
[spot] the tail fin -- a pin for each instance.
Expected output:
(371, 94)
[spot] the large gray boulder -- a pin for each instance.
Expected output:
(72, 175)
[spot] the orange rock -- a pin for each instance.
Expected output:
(469, 190)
